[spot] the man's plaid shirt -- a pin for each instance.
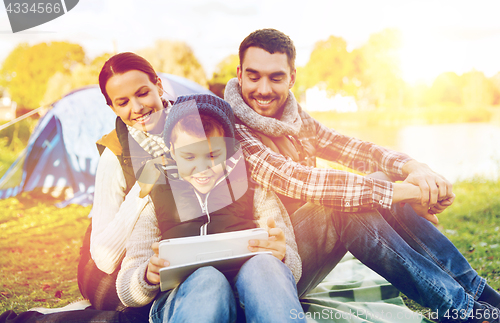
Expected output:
(341, 190)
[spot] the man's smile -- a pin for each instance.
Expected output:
(263, 102)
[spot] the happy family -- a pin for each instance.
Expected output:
(202, 165)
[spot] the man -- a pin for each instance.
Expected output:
(332, 210)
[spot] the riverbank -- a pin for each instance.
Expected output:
(381, 117)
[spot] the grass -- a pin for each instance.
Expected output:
(39, 252)
(472, 223)
(40, 243)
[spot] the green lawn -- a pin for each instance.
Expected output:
(472, 223)
(39, 243)
(39, 252)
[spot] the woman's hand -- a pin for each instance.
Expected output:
(276, 243)
(154, 266)
(150, 175)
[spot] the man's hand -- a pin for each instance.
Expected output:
(434, 188)
(154, 266)
(425, 212)
(276, 243)
(430, 214)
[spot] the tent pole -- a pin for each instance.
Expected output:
(24, 116)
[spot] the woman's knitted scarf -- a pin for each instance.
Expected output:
(151, 143)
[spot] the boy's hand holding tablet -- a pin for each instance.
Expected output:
(225, 254)
(154, 265)
(276, 243)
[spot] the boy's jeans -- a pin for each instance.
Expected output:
(401, 246)
(265, 287)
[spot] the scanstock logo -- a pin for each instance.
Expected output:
(25, 14)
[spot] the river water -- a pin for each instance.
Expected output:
(456, 151)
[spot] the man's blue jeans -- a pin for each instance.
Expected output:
(264, 287)
(401, 246)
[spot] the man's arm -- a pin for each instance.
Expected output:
(362, 156)
(435, 191)
(367, 157)
(409, 193)
(343, 191)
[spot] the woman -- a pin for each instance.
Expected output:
(133, 91)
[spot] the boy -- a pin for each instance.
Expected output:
(206, 193)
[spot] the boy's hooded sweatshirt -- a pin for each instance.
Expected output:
(182, 211)
(179, 211)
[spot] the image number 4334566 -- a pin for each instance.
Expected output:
(25, 14)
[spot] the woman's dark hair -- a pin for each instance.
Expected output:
(122, 63)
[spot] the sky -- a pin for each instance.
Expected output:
(437, 36)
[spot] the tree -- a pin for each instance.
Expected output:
(446, 89)
(495, 81)
(477, 91)
(224, 71)
(99, 61)
(81, 75)
(175, 57)
(379, 66)
(370, 73)
(7, 73)
(27, 69)
(416, 95)
(331, 67)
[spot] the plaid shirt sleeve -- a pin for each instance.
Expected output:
(343, 191)
(362, 156)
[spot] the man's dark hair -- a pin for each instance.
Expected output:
(270, 40)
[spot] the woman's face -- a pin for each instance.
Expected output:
(135, 99)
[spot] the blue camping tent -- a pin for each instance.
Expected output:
(61, 156)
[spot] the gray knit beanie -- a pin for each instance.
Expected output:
(205, 104)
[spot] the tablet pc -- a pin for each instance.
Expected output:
(225, 250)
(188, 250)
(170, 276)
